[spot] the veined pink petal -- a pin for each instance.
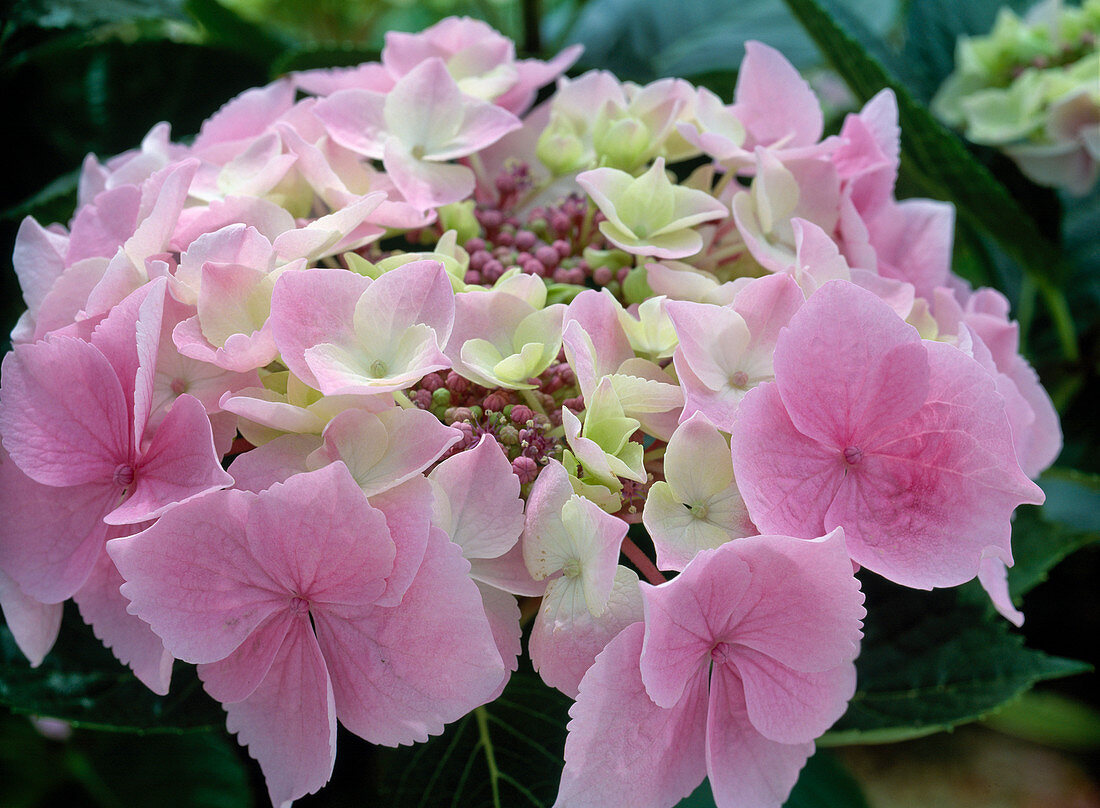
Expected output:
(684, 621)
(130, 639)
(791, 706)
(319, 537)
(766, 75)
(746, 770)
(418, 292)
(310, 308)
(130, 339)
(38, 260)
(622, 749)
(385, 450)
(566, 637)
(353, 118)
(51, 537)
(938, 488)
(502, 611)
(508, 572)
(236, 677)
(258, 469)
(407, 509)
(400, 673)
(288, 723)
(786, 478)
(871, 369)
(180, 463)
(193, 577)
(247, 115)
(99, 229)
(425, 107)
(33, 624)
(483, 503)
(63, 414)
(803, 607)
(425, 184)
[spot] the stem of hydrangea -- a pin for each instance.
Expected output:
(403, 400)
(531, 401)
(721, 185)
(642, 562)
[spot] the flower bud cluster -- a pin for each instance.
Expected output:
(1029, 87)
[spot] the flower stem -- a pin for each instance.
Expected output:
(531, 401)
(642, 562)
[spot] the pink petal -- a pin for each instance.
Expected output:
(258, 469)
(33, 625)
(179, 464)
(247, 115)
(936, 489)
(317, 535)
(792, 706)
(407, 509)
(310, 308)
(486, 512)
(99, 229)
(622, 749)
(913, 240)
(130, 339)
(400, 673)
(425, 184)
(786, 479)
(418, 292)
(38, 260)
(508, 572)
(353, 118)
(871, 369)
(50, 537)
(685, 617)
(63, 414)
(130, 639)
(993, 576)
(193, 577)
(764, 76)
(289, 721)
(803, 607)
(746, 769)
(566, 637)
(236, 677)
(502, 611)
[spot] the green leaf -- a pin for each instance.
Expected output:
(641, 40)
(1049, 719)
(507, 753)
(90, 13)
(81, 682)
(936, 161)
(1068, 521)
(308, 57)
(224, 26)
(162, 771)
(825, 783)
(54, 203)
(932, 28)
(933, 660)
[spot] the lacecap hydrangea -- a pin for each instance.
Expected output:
(311, 401)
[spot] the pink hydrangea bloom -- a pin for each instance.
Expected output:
(742, 660)
(903, 443)
(307, 603)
